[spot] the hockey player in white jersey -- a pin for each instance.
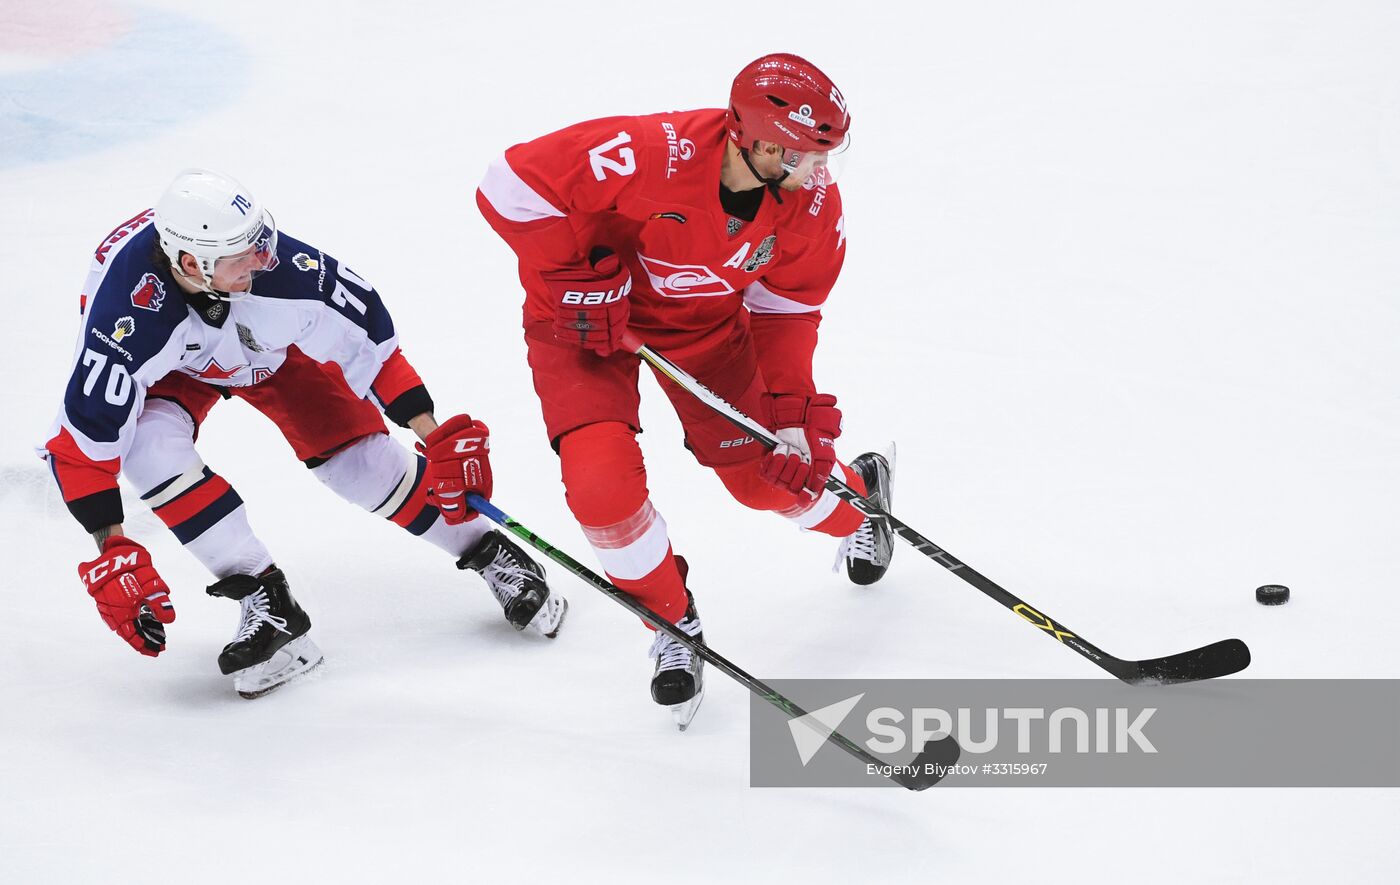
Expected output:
(172, 322)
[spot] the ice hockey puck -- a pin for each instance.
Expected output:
(1271, 594)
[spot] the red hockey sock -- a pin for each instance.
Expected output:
(605, 485)
(845, 519)
(662, 590)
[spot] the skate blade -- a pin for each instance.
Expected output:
(889, 459)
(889, 455)
(683, 713)
(297, 657)
(550, 618)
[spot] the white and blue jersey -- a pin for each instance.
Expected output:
(138, 326)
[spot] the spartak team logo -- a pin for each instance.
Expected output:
(149, 294)
(683, 280)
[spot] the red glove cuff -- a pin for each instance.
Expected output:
(817, 412)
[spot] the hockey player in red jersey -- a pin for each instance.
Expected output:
(171, 322)
(715, 236)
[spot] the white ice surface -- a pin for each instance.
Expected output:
(1122, 281)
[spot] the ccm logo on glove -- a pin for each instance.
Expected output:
(99, 571)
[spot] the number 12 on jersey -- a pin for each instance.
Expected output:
(625, 164)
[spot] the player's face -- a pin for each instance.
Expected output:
(773, 161)
(767, 158)
(234, 273)
(802, 165)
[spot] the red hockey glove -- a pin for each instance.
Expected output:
(459, 461)
(806, 427)
(130, 596)
(591, 307)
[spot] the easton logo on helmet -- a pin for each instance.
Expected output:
(149, 294)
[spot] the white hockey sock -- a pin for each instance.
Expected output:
(633, 548)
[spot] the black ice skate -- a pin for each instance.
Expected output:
(271, 646)
(518, 584)
(678, 681)
(868, 551)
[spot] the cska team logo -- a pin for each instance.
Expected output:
(149, 294)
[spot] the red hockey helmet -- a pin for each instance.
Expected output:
(785, 99)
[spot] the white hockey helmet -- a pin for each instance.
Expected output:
(212, 216)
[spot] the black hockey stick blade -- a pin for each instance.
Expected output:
(1207, 662)
(930, 766)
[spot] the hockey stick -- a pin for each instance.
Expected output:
(1208, 662)
(928, 766)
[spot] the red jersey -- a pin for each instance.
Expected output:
(648, 187)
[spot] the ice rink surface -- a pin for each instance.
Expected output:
(1122, 282)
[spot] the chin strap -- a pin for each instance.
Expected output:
(202, 283)
(772, 183)
(206, 287)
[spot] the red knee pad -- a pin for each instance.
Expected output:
(604, 479)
